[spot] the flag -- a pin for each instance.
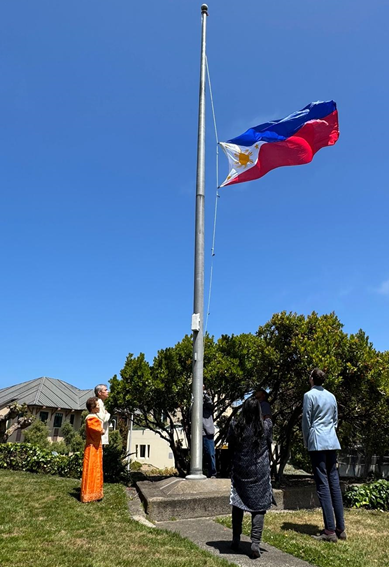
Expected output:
(293, 140)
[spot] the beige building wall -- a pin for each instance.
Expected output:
(149, 448)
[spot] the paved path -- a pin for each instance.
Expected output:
(216, 538)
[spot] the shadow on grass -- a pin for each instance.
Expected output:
(224, 547)
(75, 493)
(308, 529)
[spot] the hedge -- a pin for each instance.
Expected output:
(374, 496)
(30, 458)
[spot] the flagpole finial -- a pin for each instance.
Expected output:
(204, 9)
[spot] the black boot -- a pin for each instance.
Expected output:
(237, 518)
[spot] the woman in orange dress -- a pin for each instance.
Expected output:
(92, 470)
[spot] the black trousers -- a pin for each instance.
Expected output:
(326, 475)
(257, 521)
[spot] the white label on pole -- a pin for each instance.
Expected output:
(196, 322)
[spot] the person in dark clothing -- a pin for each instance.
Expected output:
(249, 439)
(262, 395)
(208, 435)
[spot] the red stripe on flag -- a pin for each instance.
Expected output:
(299, 149)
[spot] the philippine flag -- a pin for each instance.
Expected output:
(294, 140)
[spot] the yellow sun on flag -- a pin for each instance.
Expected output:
(244, 158)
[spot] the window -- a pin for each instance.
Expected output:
(144, 451)
(72, 419)
(58, 419)
(44, 416)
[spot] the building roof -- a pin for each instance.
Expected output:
(48, 392)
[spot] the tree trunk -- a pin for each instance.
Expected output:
(368, 459)
(380, 463)
(286, 442)
(180, 460)
(21, 423)
(284, 457)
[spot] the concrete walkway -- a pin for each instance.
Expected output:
(216, 539)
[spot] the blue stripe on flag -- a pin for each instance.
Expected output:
(279, 130)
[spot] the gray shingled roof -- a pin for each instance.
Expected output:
(48, 392)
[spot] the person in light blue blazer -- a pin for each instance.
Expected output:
(320, 420)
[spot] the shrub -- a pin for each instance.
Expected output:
(59, 447)
(30, 458)
(167, 471)
(114, 467)
(299, 457)
(68, 433)
(135, 466)
(37, 434)
(77, 444)
(73, 440)
(374, 496)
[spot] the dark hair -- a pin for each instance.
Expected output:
(250, 417)
(91, 403)
(318, 376)
(261, 389)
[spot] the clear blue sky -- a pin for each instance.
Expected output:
(98, 135)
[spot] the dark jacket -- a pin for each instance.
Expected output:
(208, 425)
(251, 469)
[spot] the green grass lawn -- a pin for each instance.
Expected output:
(367, 544)
(43, 524)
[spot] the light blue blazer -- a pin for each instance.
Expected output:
(320, 420)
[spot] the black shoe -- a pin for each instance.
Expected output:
(341, 534)
(326, 537)
(255, 551)
(235, 543)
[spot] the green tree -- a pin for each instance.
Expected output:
(291, 345)
(363, 399)
(37, 434)
(159, 396)
(154, 396)
(279, 357)
(20, 414)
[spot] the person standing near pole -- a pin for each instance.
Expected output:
(262, 395)
(249, 438)
(92, 469)
(320, 420)
(208, 435)
(101, 393)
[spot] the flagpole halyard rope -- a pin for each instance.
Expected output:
(217, 195)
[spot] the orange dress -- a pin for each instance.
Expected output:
(92, 470)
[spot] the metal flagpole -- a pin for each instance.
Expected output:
(196, 449)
